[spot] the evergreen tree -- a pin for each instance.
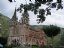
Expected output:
(51, 31)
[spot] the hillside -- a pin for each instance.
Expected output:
(4, 31)
(4, 25)
(57, 38)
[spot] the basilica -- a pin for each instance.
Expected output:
(22, 33)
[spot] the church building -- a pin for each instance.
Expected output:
(22, 33)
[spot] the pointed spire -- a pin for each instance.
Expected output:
(14, 18)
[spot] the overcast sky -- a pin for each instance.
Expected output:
(57, 17)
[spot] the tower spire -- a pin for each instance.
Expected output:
(14, 18)
(14, 23)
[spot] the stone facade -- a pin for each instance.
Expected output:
(22, 33)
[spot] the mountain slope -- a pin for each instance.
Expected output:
(4, 25)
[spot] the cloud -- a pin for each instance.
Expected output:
(6, 8)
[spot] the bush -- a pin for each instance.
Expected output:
(35, 46)
(51, 30)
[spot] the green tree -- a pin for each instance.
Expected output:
(34, 7)
(61, 42)
(4, 21)
(52, 31)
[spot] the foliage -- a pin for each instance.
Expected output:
(35, 46)
(51, 30)
(3, 40)
(61, 42)
(4, 25)
(11, 1)
(34, 7)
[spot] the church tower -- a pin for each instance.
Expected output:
(14, 23)
(13, 35)
(25, 18)
(14, 18)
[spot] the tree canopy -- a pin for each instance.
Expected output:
(51, 30)
(34, 7)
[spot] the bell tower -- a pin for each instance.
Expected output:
(25, 18)
(14, 23)
(13, 35)
(14, 18)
